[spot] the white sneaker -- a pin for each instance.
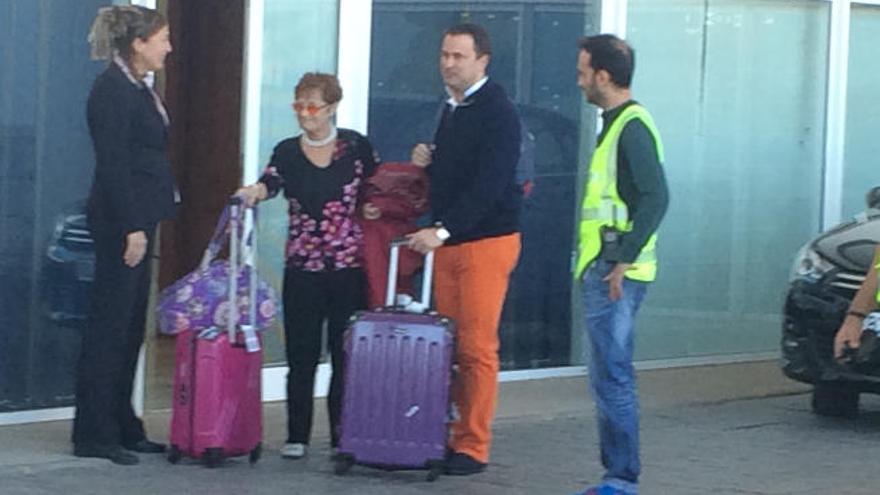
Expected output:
(293, 450)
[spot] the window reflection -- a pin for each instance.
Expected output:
(46, 167)
(534, 51)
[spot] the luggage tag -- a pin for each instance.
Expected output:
(251, 342)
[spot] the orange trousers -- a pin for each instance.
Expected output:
(470, 284)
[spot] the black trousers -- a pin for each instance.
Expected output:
(111, 343)
(310, 298)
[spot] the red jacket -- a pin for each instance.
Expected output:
(400, 191)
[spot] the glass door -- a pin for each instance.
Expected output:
(46, 164)
(284, 40)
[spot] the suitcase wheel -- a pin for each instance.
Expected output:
(255, 454)
(213, 457)
(174, 454)
(342, 463)
(435, 469)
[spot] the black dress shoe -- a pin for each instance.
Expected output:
(459, 464)
(146, 447)
(114, 453)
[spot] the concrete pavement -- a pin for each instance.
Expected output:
(732, 429)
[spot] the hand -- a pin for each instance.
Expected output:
(424, 241)
(252, 194)
(371, 212)
(422, 154)
(849, 334)
(615, 280)
(135, 248)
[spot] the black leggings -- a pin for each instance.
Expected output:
(309, 299)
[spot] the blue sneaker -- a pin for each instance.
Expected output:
(603, 490)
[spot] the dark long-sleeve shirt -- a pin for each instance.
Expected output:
(324, 233)
(641, 184)
(474, 193)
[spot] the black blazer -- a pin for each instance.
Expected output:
(133, 187)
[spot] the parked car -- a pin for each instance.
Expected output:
(825, 276)
(69, 270)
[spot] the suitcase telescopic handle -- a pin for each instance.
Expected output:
(235, 255)
(232, 319)
(394, 261)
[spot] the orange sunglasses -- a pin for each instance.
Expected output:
(310, 108)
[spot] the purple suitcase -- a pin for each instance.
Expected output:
(398, 366)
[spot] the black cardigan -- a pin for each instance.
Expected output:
(474, 193)
(133, 187)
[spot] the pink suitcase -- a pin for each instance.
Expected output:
(398, 365)
(216, 409)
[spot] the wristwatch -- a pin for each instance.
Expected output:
(442, 233)
(858, 314)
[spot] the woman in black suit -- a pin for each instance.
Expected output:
(133, 190)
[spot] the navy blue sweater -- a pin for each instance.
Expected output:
(474, 193)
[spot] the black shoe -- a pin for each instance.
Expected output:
(114, 453)
(145, 447)
(459, 464)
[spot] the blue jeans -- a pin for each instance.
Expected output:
(609, 345)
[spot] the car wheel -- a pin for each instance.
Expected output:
(835, 400)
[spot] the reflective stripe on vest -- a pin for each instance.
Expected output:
(602, 205)
(877, 295)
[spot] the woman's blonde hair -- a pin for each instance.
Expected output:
(116, 27)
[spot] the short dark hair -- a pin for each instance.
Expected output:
(611, 54)
(482, 45)
(327, 84)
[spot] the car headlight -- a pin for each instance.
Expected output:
(809, 265)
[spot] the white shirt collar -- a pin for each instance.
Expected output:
(125, 70)
(471, 90)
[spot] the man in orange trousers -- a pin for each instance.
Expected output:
(475, 203)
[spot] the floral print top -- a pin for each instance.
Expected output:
(324, 233)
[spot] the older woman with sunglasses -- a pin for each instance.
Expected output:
(321, 172)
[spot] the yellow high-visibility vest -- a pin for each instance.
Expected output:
(602, 205)
(877, 295)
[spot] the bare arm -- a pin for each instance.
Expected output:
(864, 302)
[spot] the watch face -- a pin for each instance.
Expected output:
(442, 234)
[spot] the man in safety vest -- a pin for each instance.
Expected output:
(625, 199)
(866, 300)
